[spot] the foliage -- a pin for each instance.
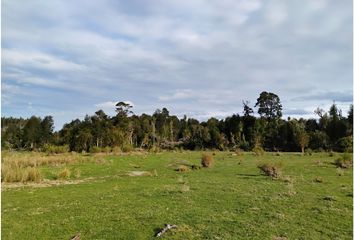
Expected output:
(269, 105)
(302, 138)
(54, 149)
(344, 144)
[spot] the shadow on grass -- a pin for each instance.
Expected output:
(248, 176)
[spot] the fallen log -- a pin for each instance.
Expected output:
(165, 229)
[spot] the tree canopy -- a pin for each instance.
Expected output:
(332, 131)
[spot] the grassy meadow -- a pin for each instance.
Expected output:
(132, 196)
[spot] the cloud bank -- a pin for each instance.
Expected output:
(200, 58)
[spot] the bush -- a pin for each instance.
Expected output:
(207, 160)
(270, 169)
(54, 149)
(344, 144)
(345, 161)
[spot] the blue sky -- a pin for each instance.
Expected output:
(201, 58)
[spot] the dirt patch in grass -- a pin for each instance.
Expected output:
(44, 183)
(139, 173)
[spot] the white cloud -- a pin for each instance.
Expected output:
(38, 60)
(106, 105)
(185, 55)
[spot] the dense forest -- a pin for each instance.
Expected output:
(330, 132)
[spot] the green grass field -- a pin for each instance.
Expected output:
(231, 200)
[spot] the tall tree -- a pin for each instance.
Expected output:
(302, 138)
(47, 127)
(123, 109)
(31, 133)
(269, 105)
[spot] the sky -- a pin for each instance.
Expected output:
(200, 58)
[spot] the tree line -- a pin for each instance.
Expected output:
(126, 131)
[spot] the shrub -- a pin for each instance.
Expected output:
(270, 169)
(344, 144)
(331, 154)
(64, 174)
(345, 161)
(207, 160)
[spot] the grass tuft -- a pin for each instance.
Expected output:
(182, 168)
(64, 174)
(31, 174)
(270, 169)
(258, 150)
(207, 160)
